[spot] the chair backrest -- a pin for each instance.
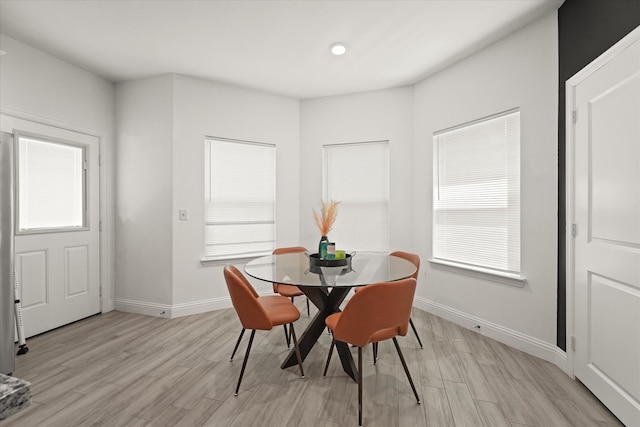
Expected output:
(245, 300)
(286, 250)
(289, 250)
(412, 258)
(377, 312)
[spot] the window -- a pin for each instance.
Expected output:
(51, 185)
(357, 176)
(477, 194)
(240, 194)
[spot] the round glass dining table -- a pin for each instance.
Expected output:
(326, 288)
(294, 269)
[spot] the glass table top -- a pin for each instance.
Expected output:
(294, 269)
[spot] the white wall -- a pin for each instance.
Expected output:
(144, 170)
(39, 87)
(213, 109)
(371, 116)
(162, 123)
(518, 71)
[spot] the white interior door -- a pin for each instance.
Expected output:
(606, 98)
(57, 243)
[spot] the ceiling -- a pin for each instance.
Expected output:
(281, 47)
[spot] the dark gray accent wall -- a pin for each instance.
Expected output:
(586, 29)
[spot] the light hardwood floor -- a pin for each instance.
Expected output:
(120, 369)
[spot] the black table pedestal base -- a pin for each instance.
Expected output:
(327, 302)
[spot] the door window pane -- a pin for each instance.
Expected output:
(51, 181)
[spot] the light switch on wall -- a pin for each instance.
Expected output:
(183, 214)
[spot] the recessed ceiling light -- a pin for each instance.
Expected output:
(338, 49)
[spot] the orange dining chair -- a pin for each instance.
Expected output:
(378, 312)
(289, 291)
(415, 260)
(257, 312)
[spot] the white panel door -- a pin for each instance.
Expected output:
(607, 241)
(57, 243)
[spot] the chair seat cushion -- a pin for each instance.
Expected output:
(289, 291)
(279, 309)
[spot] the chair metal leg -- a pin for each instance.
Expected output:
(360, 386)
(295, 345)
(406, 370)
(374, 346)
(244, 363)
(237, 344)
(415, 332)
(326, 367)
(287, 336)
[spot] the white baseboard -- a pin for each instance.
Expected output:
(172, 311)
(562, 362)
(143, 307)
(515, 339)
(108, 306)
(197, 307)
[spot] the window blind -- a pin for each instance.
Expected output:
(357, 176)
(240, 195)
(477, 193)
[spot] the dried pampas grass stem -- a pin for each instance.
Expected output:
(327, 217)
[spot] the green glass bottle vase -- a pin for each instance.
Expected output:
(322, 247)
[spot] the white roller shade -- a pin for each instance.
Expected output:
(477, 194)
(357, 175)
(240, 194)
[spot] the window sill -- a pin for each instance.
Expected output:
(237, 259)
(481, 273)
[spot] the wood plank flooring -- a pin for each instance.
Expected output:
(122, 369)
